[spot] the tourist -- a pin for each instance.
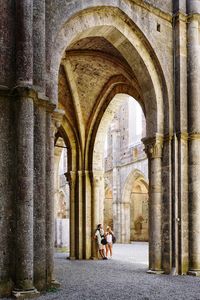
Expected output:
(99, 235)
(109, 238)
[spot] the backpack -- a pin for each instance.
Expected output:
(113, 239)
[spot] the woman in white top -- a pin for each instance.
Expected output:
(109, 244)
(99, 234)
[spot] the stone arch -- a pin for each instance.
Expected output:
(67, 132)
(135, 175)
(121, 32)
(110, 23)
(61, 200)
(138, 178)
(113, 99)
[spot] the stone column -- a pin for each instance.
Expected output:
(24, 195)
(179, 145)
(116, 206)
(7, 194)
(7, 149)
(125, 222)
(53, 121)
(71, 178)
(194, 136)
(50, 135)
(39, 59)
(101, 197)
(95, 212)
(24, 44)
(116, 181)
(87, 214)
(153, 149)
(40, 194)
(24, 150)
(79, 217)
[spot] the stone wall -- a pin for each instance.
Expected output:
(122, 160)
(151, 55)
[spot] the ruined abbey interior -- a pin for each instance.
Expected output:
(68, 69)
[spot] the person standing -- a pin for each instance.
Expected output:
(109, 238)
(99, 235)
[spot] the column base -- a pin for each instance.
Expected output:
(55, 283)
(20, 294)
(155, 272)
(71, 257)
(94, 258)
(194, 273)
(173, 272)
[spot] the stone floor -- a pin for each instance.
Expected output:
(122, 277)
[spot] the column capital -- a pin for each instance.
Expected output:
(194, 136)
(29, 91)
(97, 176)
(57, 117)
(182, 135)
(70, 176)
(24, 91)
(168, 137)
(153, 146)
(193, 17)
(180, 16)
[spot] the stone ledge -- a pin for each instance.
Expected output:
(18, 294)
(158, 272)
(55, 283)
(194, 273)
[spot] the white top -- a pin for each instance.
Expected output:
(99, 234)
(109, 238)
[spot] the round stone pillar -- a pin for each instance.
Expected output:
(95, 211)
(153, 149)
(101, 197)
(71, 178)
(39, 195)
(79, 216)
(50, 135)
(194, 138)
(53, 121)
(24, 42)
(24, 150)
(125, 222)
(24, 195)
(39, 59)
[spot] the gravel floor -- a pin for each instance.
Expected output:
(122, 277)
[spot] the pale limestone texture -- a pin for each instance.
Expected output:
(62, 63)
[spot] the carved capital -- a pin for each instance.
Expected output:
(43, 101)
(29, 91)
(182, 136)
(194, 136)
(168, 137)
(153, 146)
(97, 177)
(193, 17)
(180, 16)
(57, 117)
(70, 177)
(24, 91)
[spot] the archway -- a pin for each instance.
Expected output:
(108, 211)
(135, 192)
(61, 197)
(109, 39)
(139, 213)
